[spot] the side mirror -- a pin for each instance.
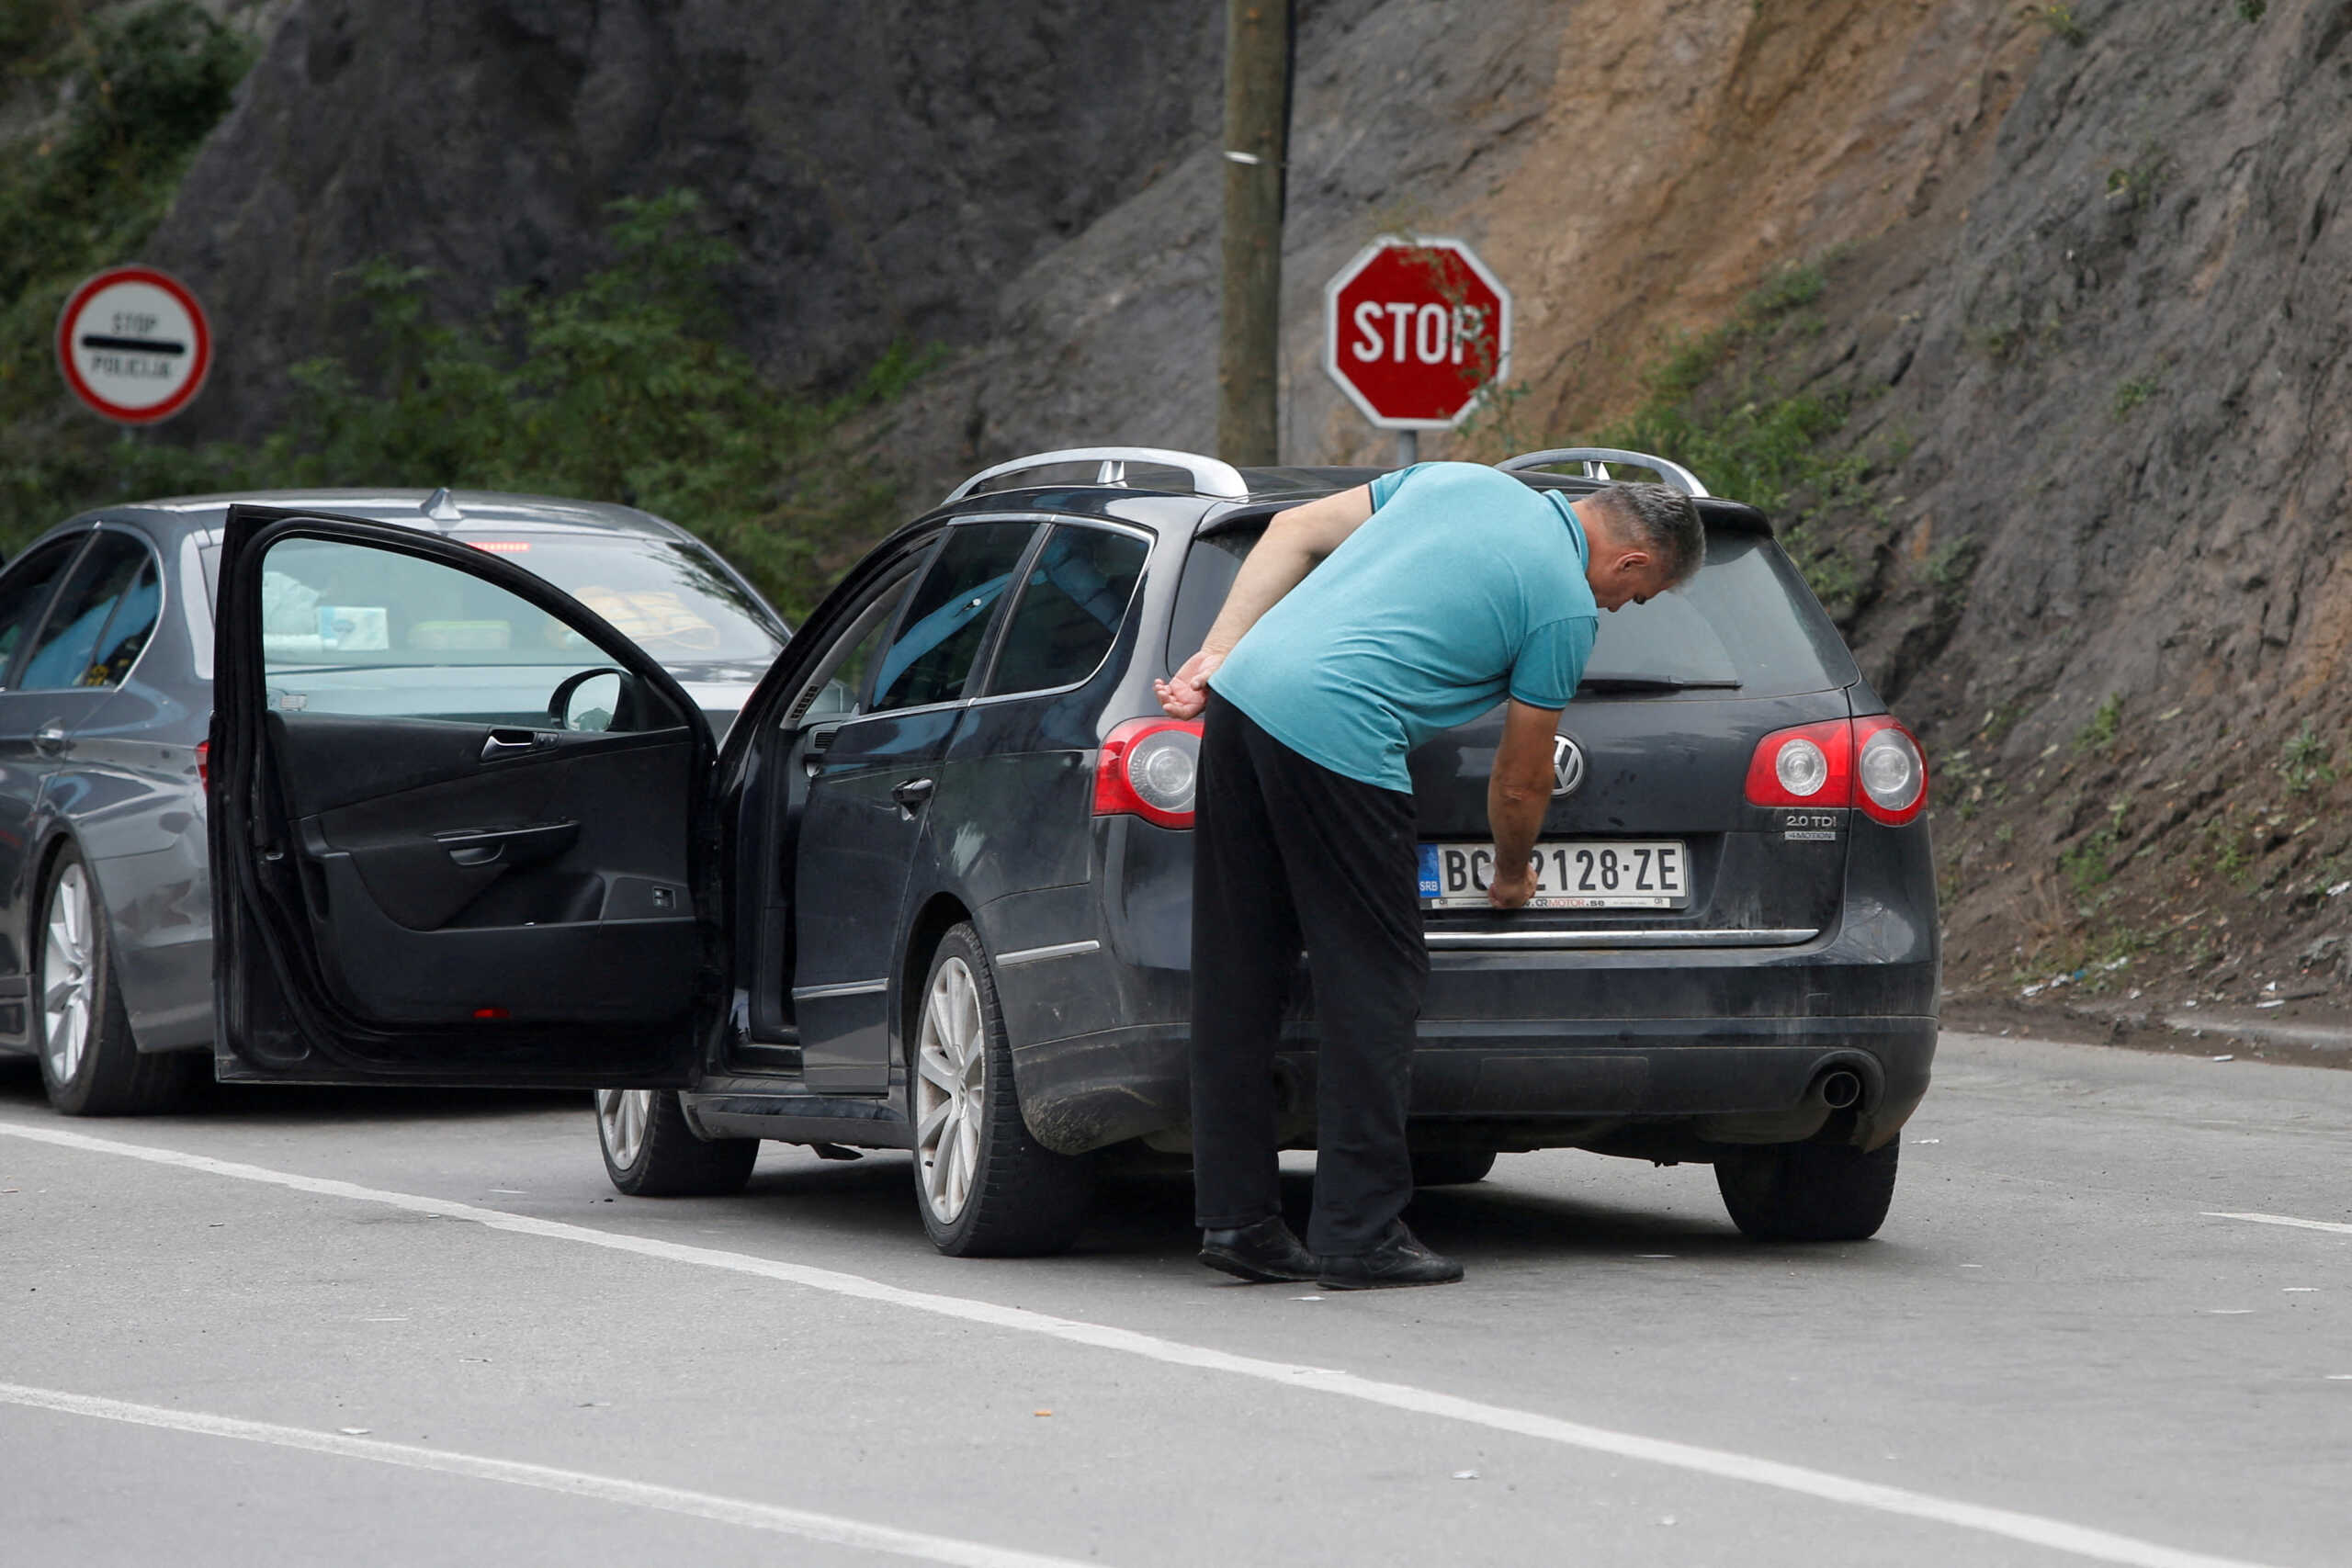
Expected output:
(589, 700)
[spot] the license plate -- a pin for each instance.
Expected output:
(1571, 874)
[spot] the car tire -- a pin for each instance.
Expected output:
(1808, 1191)
(1450, 1167)
(984, 1186)
(90, 1063)
(650, 1152)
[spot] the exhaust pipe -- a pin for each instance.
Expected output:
(1838, 1088)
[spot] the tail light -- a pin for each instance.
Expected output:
(204, 764)
(1873, 763)
(1150, 769)
(1890, 770)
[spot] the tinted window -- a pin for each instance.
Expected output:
(126, 634)
(104, 577)
(25, 589)
(1070, 608)
(932, 657)
(1745, 617)
(845, 676)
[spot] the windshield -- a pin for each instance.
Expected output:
(667, 596)
(1744, 622)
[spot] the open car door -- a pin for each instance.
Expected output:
(460, 827)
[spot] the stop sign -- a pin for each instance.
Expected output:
(1413, 330)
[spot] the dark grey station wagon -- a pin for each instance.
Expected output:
(933, 891)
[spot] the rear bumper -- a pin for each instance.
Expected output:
(1663, 1088)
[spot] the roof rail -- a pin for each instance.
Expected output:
(1596, 461)
(1209, 475)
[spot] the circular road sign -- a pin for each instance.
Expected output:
(1414, 330)
(134, 344)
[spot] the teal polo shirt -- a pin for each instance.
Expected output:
(1463, 586)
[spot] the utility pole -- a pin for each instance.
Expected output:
(1257, 149)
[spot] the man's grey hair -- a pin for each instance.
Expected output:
(1664, 522)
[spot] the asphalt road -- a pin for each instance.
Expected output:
(305, 1327)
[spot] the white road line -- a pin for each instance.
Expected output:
(2331, 1226)
(2096, 1545)
(797, 1522)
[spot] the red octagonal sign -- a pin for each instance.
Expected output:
(1414, 330)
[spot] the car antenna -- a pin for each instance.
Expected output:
(442, 507)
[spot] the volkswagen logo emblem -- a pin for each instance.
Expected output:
(1567, 766)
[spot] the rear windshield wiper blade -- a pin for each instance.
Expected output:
(1614, 683)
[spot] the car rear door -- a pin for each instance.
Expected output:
(460, 826)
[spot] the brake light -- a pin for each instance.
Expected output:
(1810, 766)
(204, 764)
(1148, 768)
(1873, 763)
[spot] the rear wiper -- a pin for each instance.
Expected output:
(1611, 683)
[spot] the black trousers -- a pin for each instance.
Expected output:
(1287, 853)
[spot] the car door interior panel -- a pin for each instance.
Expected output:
(446, 886)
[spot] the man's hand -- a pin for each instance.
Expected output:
(1510, 892)
(1518, 794)
(1186, 693)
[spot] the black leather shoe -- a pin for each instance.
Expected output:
(1397, 1259)
(1262, 1254)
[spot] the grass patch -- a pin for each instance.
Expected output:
(2086, 865)
(2061, 20)
(2306, 762)
(2098, 733)
(2130, 395)
(1753, 442)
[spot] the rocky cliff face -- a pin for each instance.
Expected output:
(2084, 301)
(884, 166)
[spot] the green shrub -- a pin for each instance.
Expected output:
(2098, 733)
(621, 387)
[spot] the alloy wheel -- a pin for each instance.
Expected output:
(950, 1083)
(68, 988)
(622, 1116)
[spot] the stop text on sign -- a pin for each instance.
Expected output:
(1434, 335)
(1414, 331)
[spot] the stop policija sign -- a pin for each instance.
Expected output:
(1414, 330)
(134, 344)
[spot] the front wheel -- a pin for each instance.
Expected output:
(1808, 1191)
(985, 1188)
(90, 1065)
(650, 1152)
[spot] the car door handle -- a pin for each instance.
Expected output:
(49, 738)
(525, 845)
(911, 793)
(509, 743)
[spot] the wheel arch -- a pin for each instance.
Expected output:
(939, 914)
(54, 838)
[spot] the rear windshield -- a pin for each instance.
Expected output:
(1744, 622)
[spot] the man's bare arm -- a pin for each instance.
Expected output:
(1294, 543)
(1519, 791)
